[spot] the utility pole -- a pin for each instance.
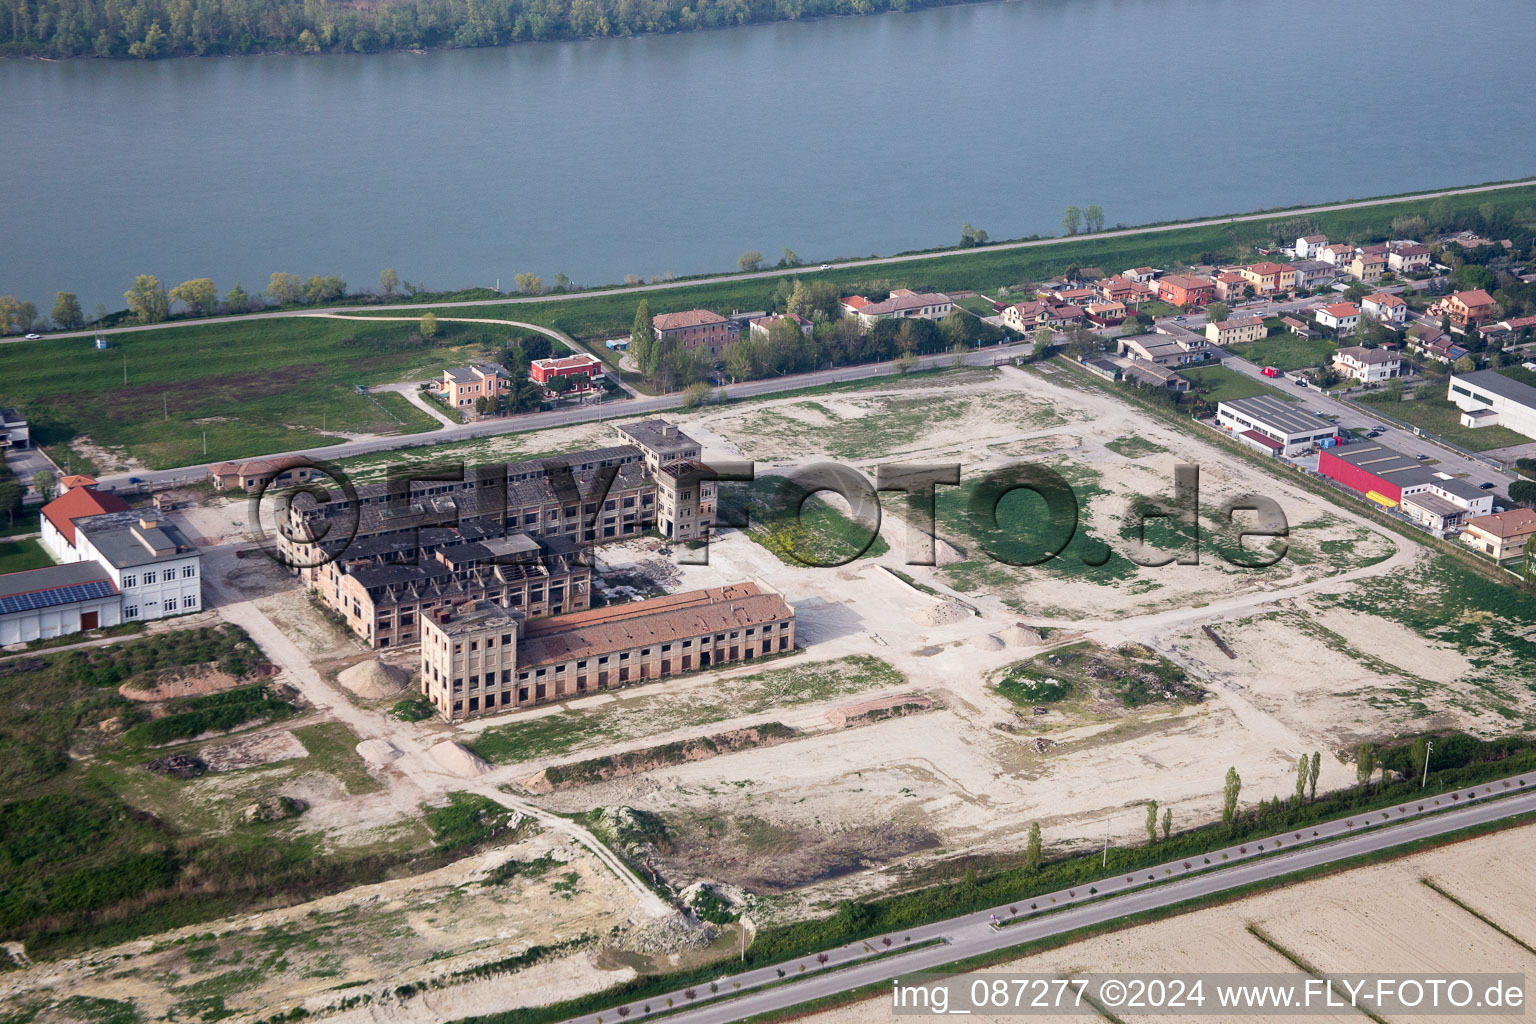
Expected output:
(1429, 746)
(125, 366)
(165, 408)
(1106, 842)
(205, 444)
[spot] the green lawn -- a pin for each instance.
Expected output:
(1441, 418)
(1219, 384)
(409, 419)
(1286, 351)
(16, 555)
(254, 387)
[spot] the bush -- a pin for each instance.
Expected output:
(1523, 492)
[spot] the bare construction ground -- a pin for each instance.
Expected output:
(1353, 922)
(1356, 633)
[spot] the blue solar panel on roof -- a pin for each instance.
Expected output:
(55, 596)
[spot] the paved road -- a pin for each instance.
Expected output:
(586, 413)
(974, 934)
(800, 271)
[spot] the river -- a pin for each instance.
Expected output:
(676, 153)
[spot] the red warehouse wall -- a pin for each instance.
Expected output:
(1356, 478)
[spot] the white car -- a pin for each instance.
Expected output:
(826, 266)
(33, 337)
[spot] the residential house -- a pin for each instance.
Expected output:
(696, 329)
(1235, 332)
(1367, 365)
(1385, 307)
(1231, 286)
(461, 386)
(1118, 289)
(1308, 246)
(901, 304)
(1298, 327)
(760, 327)
(1368, 267)
(582, 366)
(1026, 316)
(1185, 289)
(1314, 274)
(1466, 309)
(1105, 314)
(1502, 534)
(1429, 340)
(14, 434)
(1162, 349)
(1338, 254)
(1408, 258)
(1341, 317)
(253, 475)
(1076, 296)
(1142, 275)
(1269, 278)
(1506, 329)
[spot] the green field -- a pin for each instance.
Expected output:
(255, 387)
(16, 555)
(1219, 384)
(1286, 351)
(1441, 418)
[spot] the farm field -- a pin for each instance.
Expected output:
(1342, 923)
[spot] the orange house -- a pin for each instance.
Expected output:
(1185, 289)
(1269, 278)
(1466, 308)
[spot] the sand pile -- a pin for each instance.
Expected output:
(1020, 635)
(379, 751)
(373, 680)
(941, 613)
(986, 642)
(945, 553)
(458, 761)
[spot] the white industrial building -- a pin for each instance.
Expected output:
(38, 604)
(1484, 392)
(1272, 424)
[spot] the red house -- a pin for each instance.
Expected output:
(1185, 289)
(544, 371)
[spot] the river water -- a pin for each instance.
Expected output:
(676, 153)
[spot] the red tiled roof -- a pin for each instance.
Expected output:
(1266, 441)
(1476, 297)
(687, 318)
(1515, 523)
(1385, 299)
(77, 503)
(1339, 310)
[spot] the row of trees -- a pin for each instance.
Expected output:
(164, 28)
(1089, 218)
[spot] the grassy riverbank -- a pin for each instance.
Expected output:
(265, 385)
